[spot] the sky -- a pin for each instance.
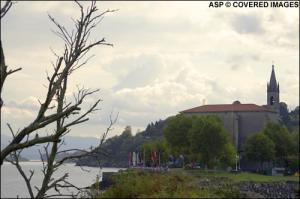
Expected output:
(167, 57)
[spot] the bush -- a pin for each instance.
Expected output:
(138, 183)
(177, 184)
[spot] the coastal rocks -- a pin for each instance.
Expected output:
(254, 189)
(272, 190)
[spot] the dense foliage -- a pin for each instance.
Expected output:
(160, 146)
(276, 143)
(260, 148)
(176, 133)
(289, 119)
(117, 148)
(208, 138)
(199, 138)
(281, 138)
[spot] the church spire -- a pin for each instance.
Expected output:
(273, 89)
(273, 86)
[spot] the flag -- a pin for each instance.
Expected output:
(134, 159)
(152, 156)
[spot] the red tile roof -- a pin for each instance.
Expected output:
(228, 108)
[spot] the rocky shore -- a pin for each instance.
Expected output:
(272, 190)
(288, 189)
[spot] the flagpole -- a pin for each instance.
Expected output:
(159, 159)
(144, 159)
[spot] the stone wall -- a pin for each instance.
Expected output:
(240, 125)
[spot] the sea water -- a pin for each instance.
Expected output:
(13, 185)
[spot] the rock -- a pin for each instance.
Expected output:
(272, 190)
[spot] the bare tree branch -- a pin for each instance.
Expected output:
(14, 159)
(54, 85)
(3, 67)
(3, 72)
(76, 46)
(5, 8)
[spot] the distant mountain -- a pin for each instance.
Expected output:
(70, 142)
(21, 159)
(4, 140)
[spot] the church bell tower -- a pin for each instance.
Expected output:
(273, 91)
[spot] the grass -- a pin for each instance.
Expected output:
(178, 183)
(141, 184)
(240, 177)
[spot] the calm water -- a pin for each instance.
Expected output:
(13, 185)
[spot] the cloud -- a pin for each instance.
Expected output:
(247, 24)
(159, 99)
(237, 61)
(135, 71)
(167, 57)
(30, 104)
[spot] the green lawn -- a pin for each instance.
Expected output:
(239, 177)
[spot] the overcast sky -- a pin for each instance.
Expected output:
(167, 57)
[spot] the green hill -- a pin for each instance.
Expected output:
(117, 148)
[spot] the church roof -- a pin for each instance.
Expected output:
(235, 107)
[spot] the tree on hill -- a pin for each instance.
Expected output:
(289, 119)
(155, 129)
(284, 114)
(127, 132)
(260, 148)
(117, 148)
(294, 120)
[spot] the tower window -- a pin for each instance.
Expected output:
(272, 101)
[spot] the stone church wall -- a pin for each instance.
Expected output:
(240, 125)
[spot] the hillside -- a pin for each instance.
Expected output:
(118, 147)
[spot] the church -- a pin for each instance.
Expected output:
(241, 120)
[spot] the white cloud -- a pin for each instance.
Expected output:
(167, 57)
(246, 24)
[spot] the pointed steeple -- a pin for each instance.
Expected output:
(273, 90)
(272, 85)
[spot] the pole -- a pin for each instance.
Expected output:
(236, 162)
(144, 159)
(159, 159)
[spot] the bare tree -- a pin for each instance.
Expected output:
(4, 72)
(76, 47)
(55, 108)
(5, 8)
(50, 166)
